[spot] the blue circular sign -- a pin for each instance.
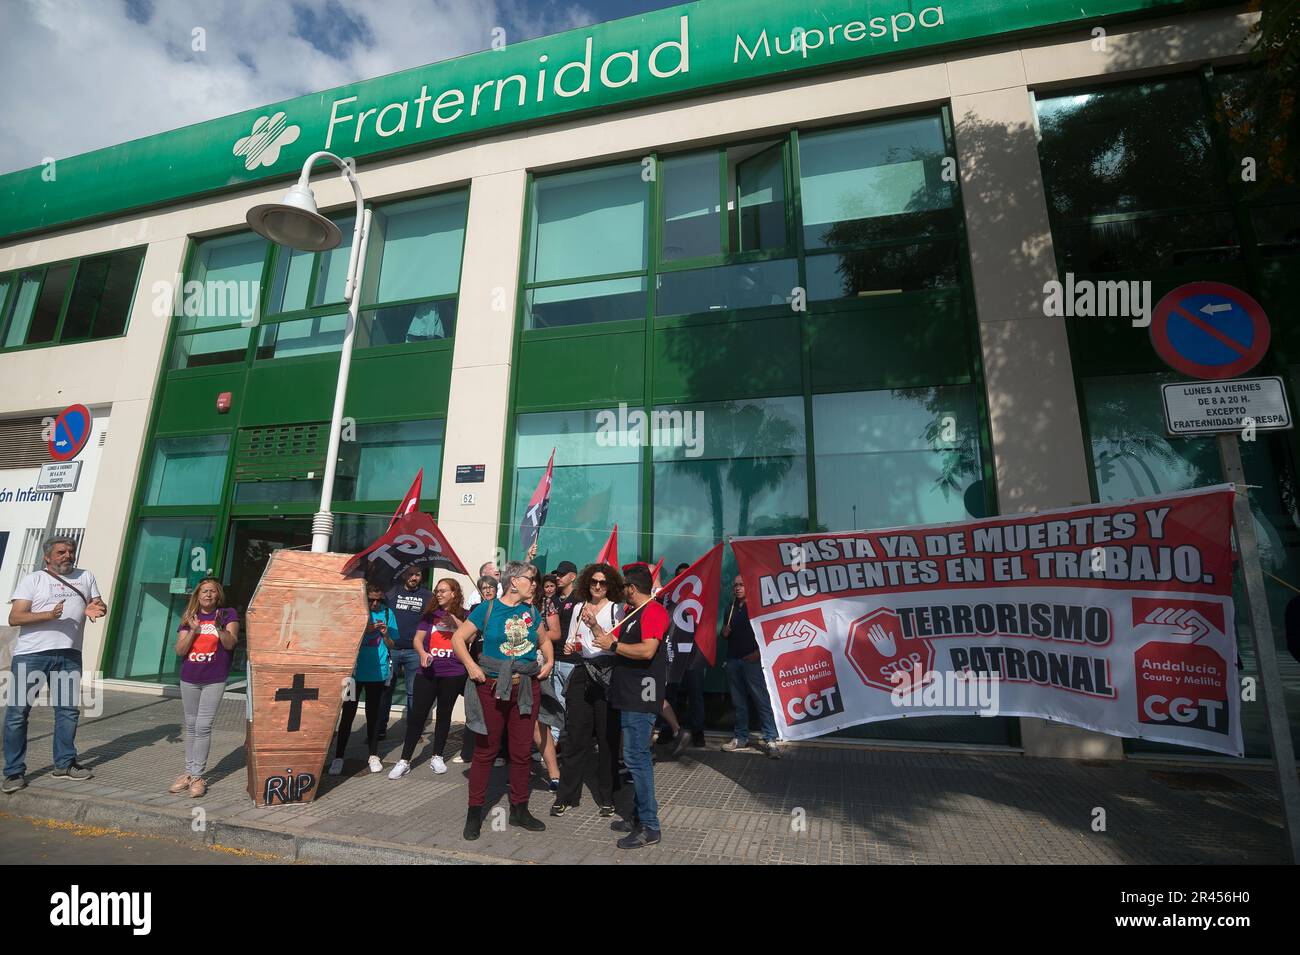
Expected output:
(1210, 330)
(71, 432)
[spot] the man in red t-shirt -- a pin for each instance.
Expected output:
(636, 690)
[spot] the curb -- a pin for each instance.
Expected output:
(308, 848)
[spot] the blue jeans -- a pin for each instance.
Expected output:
(408, 661)
(636, 754)
(22, 669)
(560, 674)
(745, 679)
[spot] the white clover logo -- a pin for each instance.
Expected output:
(262, 146)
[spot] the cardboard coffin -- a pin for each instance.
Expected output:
(304, 627)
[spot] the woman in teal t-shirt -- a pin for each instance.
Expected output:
(368, 679)
(515, 658)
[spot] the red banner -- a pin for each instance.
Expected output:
(413, 540)
(1113, 617)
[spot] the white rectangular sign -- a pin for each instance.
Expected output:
(59, 476)
(1218, 407)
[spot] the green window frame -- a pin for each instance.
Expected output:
(921, 337)
(88, 298)
(299, 309)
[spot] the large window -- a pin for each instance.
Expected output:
(596, 484)
(1131, 178)
(888, 458)
(222, 291)
(380, 463)
(730, 468)
(188, 470)
(586, 225)
(170, 556)
(1172, 181)
(875, 214)
(81, 300)
(411, 284)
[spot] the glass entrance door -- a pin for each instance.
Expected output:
(249, 545)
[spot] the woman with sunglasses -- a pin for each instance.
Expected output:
(589, 717)
(506, 693)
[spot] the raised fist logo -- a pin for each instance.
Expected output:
(800, 631)
(1194, 619)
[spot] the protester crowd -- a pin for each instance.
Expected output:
(572, 670)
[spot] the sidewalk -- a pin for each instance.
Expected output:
(860, 805)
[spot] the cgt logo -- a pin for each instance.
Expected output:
(805, 677)
(1183, 684)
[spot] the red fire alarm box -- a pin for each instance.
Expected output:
(223, 402)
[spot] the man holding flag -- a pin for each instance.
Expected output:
(637, 690)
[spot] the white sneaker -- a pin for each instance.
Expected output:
(336, 767)
(375, 765)
(498, 762)
(458, 758)
(400, 770)
(437, 765)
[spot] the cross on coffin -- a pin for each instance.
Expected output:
(295, 696)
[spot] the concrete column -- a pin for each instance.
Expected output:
(1038, 446)
(480, 366)
(137, 361)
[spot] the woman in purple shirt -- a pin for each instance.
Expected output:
(205, 642)
(441, 677)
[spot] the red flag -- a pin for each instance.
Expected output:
(609, 553)
(535, 516)
(692, 598)
(410, 503)
(414, 539)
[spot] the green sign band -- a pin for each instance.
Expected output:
(683, 50)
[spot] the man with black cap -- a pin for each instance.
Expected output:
(566, 573)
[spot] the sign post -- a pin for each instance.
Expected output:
(69, 435)
(1265, 653)
(1216, 332)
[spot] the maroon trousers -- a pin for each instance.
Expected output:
(503, 716)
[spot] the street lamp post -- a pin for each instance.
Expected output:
(296, 223)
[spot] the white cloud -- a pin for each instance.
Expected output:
(79, 76)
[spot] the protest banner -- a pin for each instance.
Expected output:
(1113, 617)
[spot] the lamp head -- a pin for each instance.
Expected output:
(295, 222)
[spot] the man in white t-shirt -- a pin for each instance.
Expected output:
(474, 598)
(50, 608)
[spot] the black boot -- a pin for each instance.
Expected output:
(521, 817)
(473, 822)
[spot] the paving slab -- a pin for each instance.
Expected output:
(821, 804)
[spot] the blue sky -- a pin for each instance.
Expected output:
(82, 74)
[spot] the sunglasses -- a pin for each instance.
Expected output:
(599, 582)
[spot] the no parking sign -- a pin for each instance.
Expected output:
(71, 432)
(1209, 330)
